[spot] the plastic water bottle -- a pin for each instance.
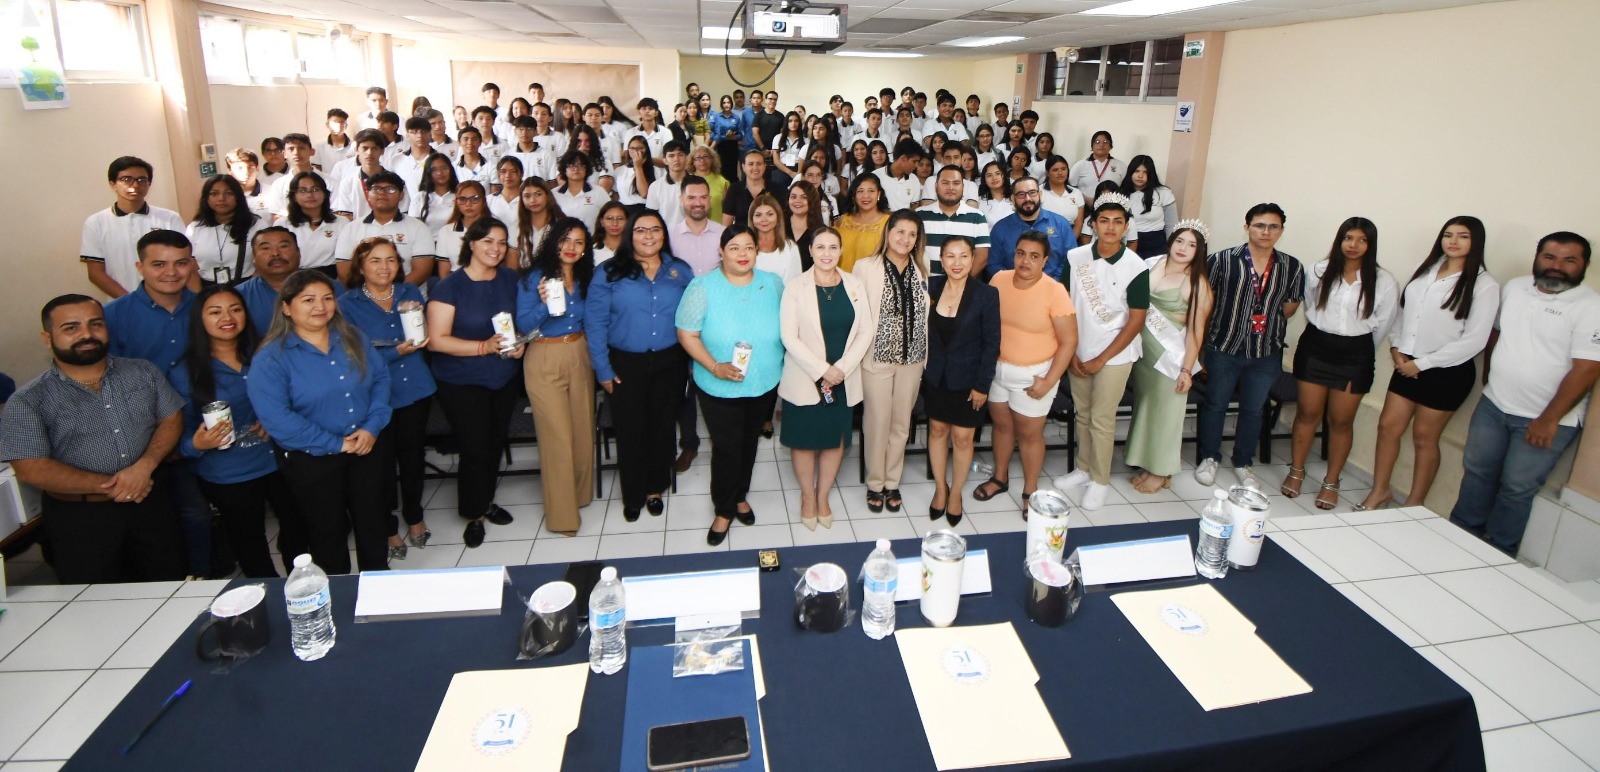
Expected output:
(981, 467)
(608, 643)
(1216, 527)
(310, 610)
(879, 578)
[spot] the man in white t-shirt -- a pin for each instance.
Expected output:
(1542, 361)
(350, 198)
(297, 151)
(901, 188)
(945, 122)
(377, 104)
(666, 192)
(339, 145)
(109, 247)
(411, 237)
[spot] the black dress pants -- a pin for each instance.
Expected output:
(108, 541)
(243, 507)
(407, 432)
(480, 418)
(644, 411)
(339, 493)
(734, 425)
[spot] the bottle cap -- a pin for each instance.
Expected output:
(883, 544)
(1219, 493)
(301, 561)
(608, 574)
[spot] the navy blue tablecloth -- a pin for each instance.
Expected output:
(834, 702)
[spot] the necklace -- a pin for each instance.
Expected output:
(376, 299)
(93, 385)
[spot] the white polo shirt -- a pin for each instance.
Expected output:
(507, 212)
(900, 194)
(439, 208)
(483, 172)
(1088, 173)
(214, 247)
(541, 162)
(583, 204)
(657, 139)
(327, 154)
(955, 132)
(1540, 335)
(1100, 295)
(278, 196)
(318, 244)
(1065, 204)
(112, 237)
(666, 197)
(410, 236)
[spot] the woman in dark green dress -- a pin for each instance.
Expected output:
(827, 329)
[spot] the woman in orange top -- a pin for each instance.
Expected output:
(861, 226)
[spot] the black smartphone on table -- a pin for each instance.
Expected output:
(698, 743)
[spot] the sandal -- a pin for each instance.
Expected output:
(874, 501)
(892, 499)
(1325, 504)
(1387, 502)
(1297, 475)
(1144, 485)
(1001, 486)
(1025, 504)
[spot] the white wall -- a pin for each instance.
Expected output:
(423, 68)
(1410, 119)
(244, 115)
(1136, 129)
(810, 79)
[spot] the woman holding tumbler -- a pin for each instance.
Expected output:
(896, 282)
(827, 329)
(322, 396)
(633, 345)
(963, 344)
(233, 459)
(556, 371)
(729, 324)
(476, 369)
(378, 297)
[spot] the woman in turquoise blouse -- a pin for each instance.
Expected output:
(738, 390)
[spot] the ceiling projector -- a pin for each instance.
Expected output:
(795, 25)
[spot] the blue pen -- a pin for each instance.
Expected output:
(165, 706)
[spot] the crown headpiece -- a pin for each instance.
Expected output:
(1196, 226)
(1114, 198)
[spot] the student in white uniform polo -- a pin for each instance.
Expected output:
(350, 197)
(222, 230)
(652, 130)
(506, 205)
(471, 163)
(537, 159)
(310, 216)
(338, 146)
(576, 196)
(411, 237)
(1350, 305)
(666, 192)
(1111, 290)
(1542, 365)
(1155, 209)
(409, 164)
(1098, 167)
(435, 196)
(109, 245)
(298, 152)
(471, 205)
(901, 188)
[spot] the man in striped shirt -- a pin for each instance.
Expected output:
(950, 216)
(1257, 288)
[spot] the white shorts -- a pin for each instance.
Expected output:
(1010, 386)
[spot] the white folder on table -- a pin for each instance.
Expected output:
(506, 720)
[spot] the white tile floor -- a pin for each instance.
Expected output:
(1523, 643)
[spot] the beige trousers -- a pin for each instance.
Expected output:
(560, 383)
(889, 393)
(1095, 399)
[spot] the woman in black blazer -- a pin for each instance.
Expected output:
(963, 345)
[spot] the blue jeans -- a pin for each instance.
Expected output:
(1502, 473)
(1252, 377)
(194, 518)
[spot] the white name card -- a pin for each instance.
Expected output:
(974, 576)
(426, 594)
(1168, 557)
(660, 597)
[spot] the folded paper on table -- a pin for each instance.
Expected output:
(1168, 557)
(431, 593)
(655, 698)
(974, 576)
(1211, 647)
(506, 720)
(975, 689)
(664, 596)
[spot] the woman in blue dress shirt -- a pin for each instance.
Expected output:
(322, 397)
(633, 344)
(372, 306)
(721, 309)
(557, 373)
(240, 479)
(478, 384)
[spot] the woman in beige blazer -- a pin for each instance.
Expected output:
(827, 328)
(895, 281)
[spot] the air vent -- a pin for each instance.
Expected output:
(890, 26)
(1007, 18)
(894, 48)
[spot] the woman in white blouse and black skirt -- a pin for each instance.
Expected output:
(1350, 303)
(1446, 314)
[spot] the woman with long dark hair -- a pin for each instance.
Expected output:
(866, 211)
(816, 177)
(789, 148)
(1155, 209)
(476, 371)
(636, 174)
(1044, 149)
(378, 288)
(895, 280)
(994, 193)
(233, 459)
(557, 373)
(538, 210)
(1057, 196)
(321, 394)
(963, 347)
(316, 229)
(608, 234)
(725, 133)
(506, 204)
(983, 145)
(1350, 304)
(805, 215)
(221, 232)
(471, 204)
(1180, 295)
(858, 161)
(1017, 163)
(1447, 312)
(633, 344)
(434, 199)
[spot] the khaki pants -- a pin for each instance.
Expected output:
(889, 393)
(560, 384)
(1095, 400)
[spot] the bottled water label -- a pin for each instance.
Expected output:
(309, 603)
(884, 586)
(609, 619)
(1216, 529)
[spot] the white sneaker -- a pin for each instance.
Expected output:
(1076, 478)
(1247, 478)
(1206, 472)
(1095, 496)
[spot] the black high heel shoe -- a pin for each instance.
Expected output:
(955, 517)
(714, 537)
(934, 513)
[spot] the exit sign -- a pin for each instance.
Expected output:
(1019, 69)
(208, 169)
(1194, 49)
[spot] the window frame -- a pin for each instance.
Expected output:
(140, 30)
(1048, 65)
(248, 22)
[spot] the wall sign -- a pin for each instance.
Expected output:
(1194, 49)
(1183, 120)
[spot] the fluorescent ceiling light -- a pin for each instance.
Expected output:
(981, 42)
(879, 54)
(1152, 7)
(722, 51)
(721, 33)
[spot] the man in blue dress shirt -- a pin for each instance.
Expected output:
(1030, 215)
(276, 253)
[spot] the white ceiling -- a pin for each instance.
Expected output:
(676, 23)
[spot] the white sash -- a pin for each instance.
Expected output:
(1171, 337)
(1100, 317)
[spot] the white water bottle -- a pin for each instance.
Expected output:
(310, 610)
(880, 578)
(608, 643)
(1216, 528)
